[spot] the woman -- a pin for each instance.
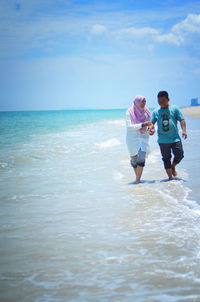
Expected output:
(137, 121)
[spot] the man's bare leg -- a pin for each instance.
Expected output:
(169, 173)
(174, 173)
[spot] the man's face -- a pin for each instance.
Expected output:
(163, 102)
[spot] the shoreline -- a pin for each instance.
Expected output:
(193, 111)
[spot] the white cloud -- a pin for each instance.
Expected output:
(41, 26)
(98, 29)
(139, 32)
(181, 32)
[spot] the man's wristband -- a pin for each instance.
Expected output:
(142, 125)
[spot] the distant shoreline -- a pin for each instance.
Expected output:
(193, 111)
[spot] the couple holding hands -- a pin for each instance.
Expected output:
(140, 124)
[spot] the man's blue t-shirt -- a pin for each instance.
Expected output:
(167, 123)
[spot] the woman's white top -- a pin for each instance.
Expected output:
(134, 139)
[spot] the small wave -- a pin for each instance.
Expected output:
(116, 122)
(176, 193)
(118, 176)
(46, 280)
(108, 143)
(3, 165)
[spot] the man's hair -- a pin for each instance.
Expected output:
(163, 94)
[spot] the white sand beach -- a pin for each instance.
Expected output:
(193, 111)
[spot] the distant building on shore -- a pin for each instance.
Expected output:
(194, 102)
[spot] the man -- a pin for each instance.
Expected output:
(169, 140)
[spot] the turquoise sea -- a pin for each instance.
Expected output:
(74, 226)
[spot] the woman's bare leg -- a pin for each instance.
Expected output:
(135, 170)
(139, 174)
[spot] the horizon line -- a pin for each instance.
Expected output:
(64, 109)
(80, 108)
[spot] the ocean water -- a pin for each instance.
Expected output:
(75, 227)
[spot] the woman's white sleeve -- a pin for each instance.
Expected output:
(130, 126)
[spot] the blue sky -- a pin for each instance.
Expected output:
(59, 54)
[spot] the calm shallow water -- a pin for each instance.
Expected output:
(74, 227)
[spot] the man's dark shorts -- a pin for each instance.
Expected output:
(177, 150)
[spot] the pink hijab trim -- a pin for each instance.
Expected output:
(137, 114)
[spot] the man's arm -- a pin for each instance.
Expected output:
(183, 127)
(151, 128)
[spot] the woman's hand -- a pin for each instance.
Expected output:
(148, 124)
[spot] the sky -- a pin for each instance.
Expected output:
(65, 54)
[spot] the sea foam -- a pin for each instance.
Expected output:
(108, 143)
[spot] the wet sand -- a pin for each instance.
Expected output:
(193, 111)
